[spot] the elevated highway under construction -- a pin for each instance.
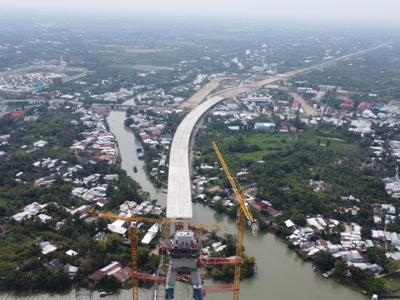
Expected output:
(179, 194)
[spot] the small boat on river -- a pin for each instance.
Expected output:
(139, 152)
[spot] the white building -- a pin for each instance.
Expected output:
(151, 233)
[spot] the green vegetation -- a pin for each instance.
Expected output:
(324, 261)
(376, 72)
(256, 146)
(226, 273)
(23, 267)
(282, 165)
(289, 161)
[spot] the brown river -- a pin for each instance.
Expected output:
(281, 274)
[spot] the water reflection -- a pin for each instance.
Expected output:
(281, 274)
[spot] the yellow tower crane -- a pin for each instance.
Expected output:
(133, 220)
(243, 213)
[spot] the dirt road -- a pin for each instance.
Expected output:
(309, 110)
(201, 94)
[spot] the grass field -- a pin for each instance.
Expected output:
(276, 142)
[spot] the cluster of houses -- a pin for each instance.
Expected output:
(130, 208)
(237, 120)
(40, 213)
(88, 191)
(122, 94)
(360, 118)
(115, 269)
(52, 167)
(27, 82)
(149, 127)
(32, 210)
(55, 264)
(265, 102)
(98, 144)
(351, 247)
(158, 96)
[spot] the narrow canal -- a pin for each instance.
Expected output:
(281, 274)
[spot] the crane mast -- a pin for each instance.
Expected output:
(133, 220)
(133, 237)
(243, 214)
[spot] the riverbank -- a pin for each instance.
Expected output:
(51, 241)
(281, 274)
(154, 131)
(127, 145)
(313, 187)
(276, 264)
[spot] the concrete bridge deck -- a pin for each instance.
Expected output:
(179, 195)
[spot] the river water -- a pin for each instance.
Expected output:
(281, 274)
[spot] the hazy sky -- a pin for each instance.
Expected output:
(337, 10)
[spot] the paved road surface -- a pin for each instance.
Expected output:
(179, 195)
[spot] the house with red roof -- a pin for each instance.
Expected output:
(273, 212)
(257, 206)
(16, 114)
(285, 127)
(347, 104)
(363, 105)
(123, 275)
(157, 132)
(296, 104)
(108, 270)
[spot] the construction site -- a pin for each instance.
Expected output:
(180, 249)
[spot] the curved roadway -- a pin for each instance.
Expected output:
(179, 195)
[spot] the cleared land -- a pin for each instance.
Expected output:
(201, 94)
(151, 68)
(142, 50)
(179, 195)
(143, 68)
(308, 108)
(255, 85)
